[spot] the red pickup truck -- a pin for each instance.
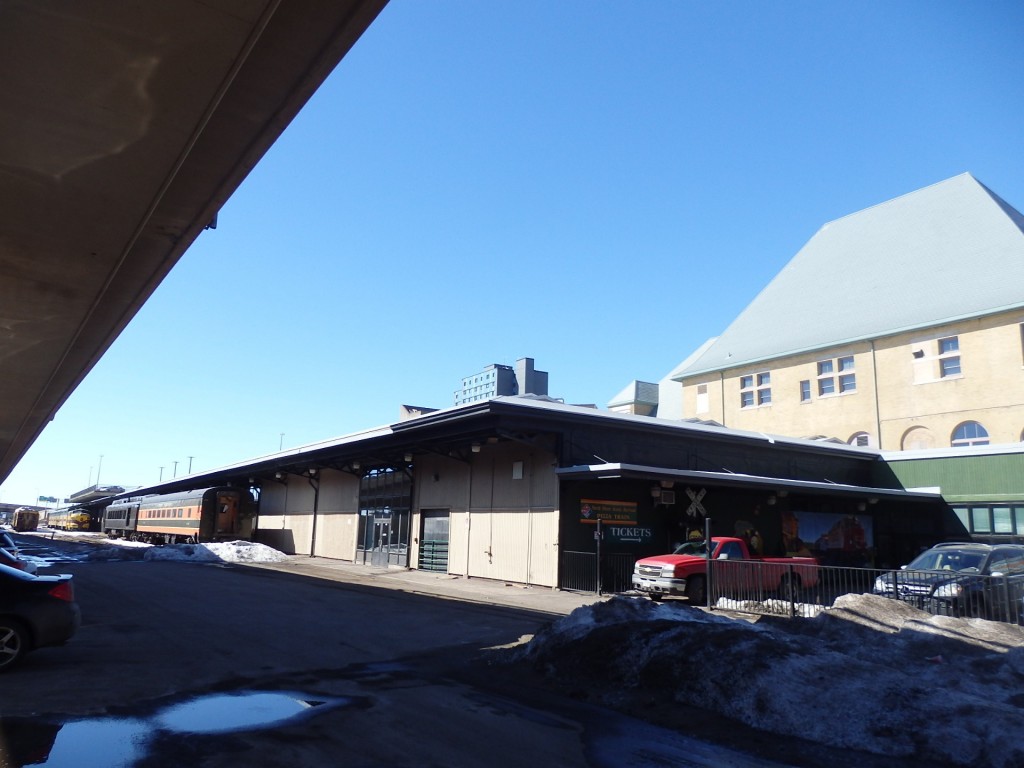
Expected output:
(736, 572)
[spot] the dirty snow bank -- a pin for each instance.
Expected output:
(871, 674)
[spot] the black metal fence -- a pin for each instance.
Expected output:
(801, 590)
(797, 589)
(579, 572)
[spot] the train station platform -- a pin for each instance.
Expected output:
(447, 586)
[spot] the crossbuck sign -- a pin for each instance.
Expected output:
(696, 508)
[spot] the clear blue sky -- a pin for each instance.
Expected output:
(598, 185)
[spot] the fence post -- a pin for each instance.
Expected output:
(792, 590)
(597, 539)
(710, 548)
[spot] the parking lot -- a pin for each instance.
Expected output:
(406, 654)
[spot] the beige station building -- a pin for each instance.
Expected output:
(899, 327)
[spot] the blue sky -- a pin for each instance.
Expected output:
(600, 186)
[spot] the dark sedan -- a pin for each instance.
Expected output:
(35, 612)
(967, 580)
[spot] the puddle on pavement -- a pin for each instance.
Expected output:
(116, 742)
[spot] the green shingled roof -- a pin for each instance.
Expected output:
(949, 251)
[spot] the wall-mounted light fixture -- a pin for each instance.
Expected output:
(861, 506)
(655, 491)
(475, 447)
(311, 471)
(408, 458)
(278, 475)
(356, 465)
(771, 500)
(873, 500)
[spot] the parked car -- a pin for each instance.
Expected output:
(11, 555)
(35, 612)
(965, 579)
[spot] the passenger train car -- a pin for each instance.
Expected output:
(208, 514)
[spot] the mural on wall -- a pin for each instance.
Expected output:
(834, 539)
(750, 533)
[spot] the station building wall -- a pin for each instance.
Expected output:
(503, 512)
(286, 515)
(502, 505)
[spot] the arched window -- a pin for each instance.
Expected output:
(969, 433)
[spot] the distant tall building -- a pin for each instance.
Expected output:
(496, 380)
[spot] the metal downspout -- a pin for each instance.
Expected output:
(314, 483)
(878, 410)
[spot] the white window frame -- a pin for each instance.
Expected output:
(964, 442)
(946, 356)
(836, 376)
(757, 389)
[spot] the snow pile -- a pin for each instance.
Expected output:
(220, 552)
(870, 674)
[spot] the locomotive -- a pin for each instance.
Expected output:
(222, 513)
(72, 519)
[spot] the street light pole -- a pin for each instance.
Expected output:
(98, 468)
(161, 474)
(280, 443)
(190, 464)
(175, 470)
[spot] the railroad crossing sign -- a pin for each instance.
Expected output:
(696, 508)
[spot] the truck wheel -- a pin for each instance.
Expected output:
(695, 591)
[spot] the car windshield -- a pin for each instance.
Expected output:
(947, 560)
(695, 548)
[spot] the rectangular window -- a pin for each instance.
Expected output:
(981, 521)
(949, 356)
(1002, 519)
(755, 389)
(826, 384)
(764, 388)
(805, 390)
(844, 383)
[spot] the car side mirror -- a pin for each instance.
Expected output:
(997, 574)
(723, 556)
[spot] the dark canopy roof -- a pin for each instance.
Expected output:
(126, 127)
